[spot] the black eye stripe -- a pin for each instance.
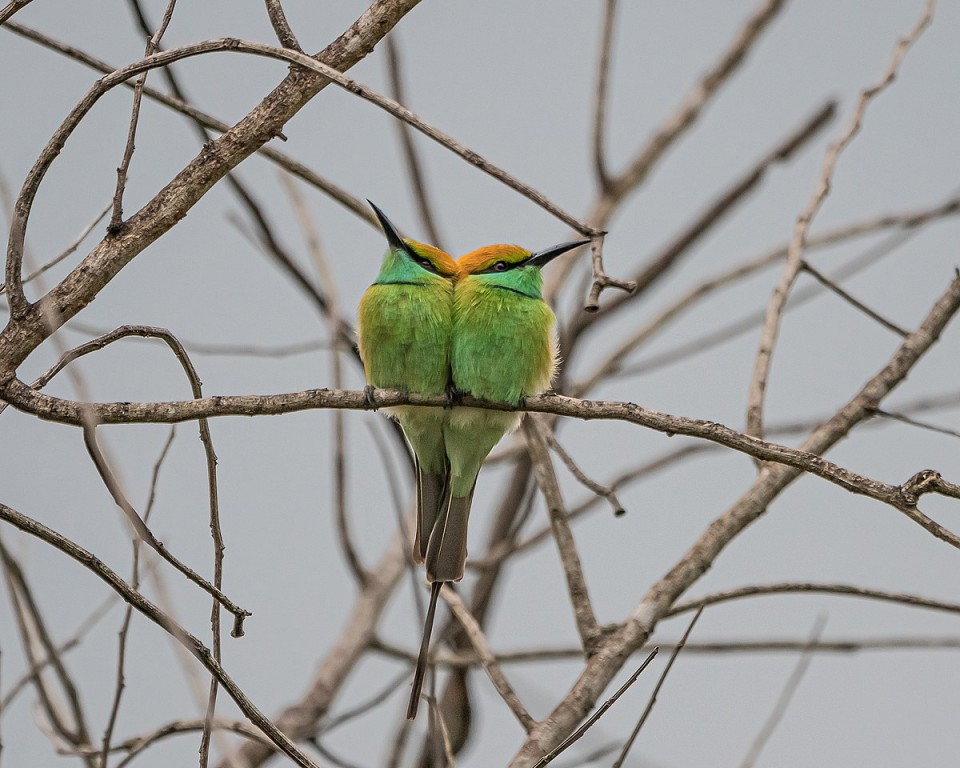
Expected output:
(422, 261)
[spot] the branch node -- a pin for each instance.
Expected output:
(924, 481)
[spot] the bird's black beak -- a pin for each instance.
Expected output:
(393, 236)
(543, 257)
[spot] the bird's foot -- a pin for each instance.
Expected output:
(454, 396)
(368, 397)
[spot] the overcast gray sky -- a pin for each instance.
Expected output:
(513, 81)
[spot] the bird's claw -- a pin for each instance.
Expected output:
(368, 397)
(454, 396)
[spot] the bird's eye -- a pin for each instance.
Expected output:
(426, 264)
(500, 266)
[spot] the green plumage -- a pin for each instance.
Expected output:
(405, 322)
(478, 326)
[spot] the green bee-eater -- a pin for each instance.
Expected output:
(432, 326)
(405, 324)
(503, 347)
(404, 336)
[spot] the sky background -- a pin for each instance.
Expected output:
(513, 81)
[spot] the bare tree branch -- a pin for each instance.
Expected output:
(576, 584)
(153, 43)
(479, 642)
(826, 282)
(280, 26)
(11, 8)
(778, 299)
(196, 648)
(411, 157)
(770, 482)
(688, 112)
(298, 169)
(171, 203)
(656, 689)
(793, 682)
(660, 263)
(600, 95)
(575, 736)
(758, 590)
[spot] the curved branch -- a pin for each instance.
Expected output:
(771, 481)
(798, 240)
(28, 325)
(757, 590)
(196, 648)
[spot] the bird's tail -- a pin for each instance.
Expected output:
(446, 551)
(424, 648)
(432, 489)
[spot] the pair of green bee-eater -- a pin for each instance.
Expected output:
(432, 325)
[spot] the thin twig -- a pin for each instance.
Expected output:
(826, 282)
(153, 43)
(66, 251)
(601, 279)
(656, 690)
(415, 173)
(778, 299)
(11, 8)
(575, 736)
(196, 648)
(482, 648)
(600, 95)
(195, 347)
(602, 491)
(759, 590)
(573, 571)
(915, 422)
(34, 632)
(280, 26)
(786, 695)
(216, 534)
(468, 659)
(332, 312)
(354, 204)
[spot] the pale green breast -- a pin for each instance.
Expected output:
(405, 336)
(503, 342)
